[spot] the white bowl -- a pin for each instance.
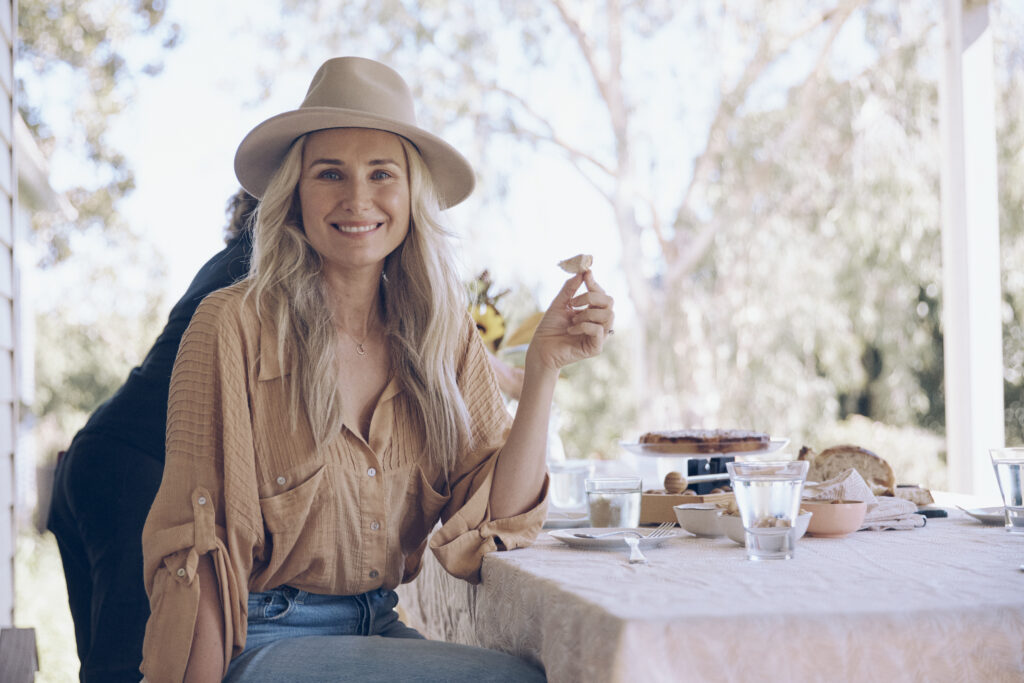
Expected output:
(700, 519)
(732, 526)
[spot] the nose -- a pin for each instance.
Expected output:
(355, 196)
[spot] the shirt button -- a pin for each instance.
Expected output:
(202, 500)
(282, 481)
(372, 472)
(181, 571)
(374, 525)
(373, 574)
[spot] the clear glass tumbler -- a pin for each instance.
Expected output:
(567, 483)
(614, 501)
(768, 496)
(1009, 466)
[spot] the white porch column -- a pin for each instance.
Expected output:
(970, 250)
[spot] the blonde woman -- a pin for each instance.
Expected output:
(327, 411)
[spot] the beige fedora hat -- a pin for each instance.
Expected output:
(352, 92)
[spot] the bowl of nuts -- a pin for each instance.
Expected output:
(732, 525)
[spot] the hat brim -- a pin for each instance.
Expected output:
(261, 152)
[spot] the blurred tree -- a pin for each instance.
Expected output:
(771, 237)
(77, 61)
(772, 171)
(77, 67)
(1010, 90)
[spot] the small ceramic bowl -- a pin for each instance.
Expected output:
(835, 519)
(700, 519)
(732, 525)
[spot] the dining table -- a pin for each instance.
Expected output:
(943, 602)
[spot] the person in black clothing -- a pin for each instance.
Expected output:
(106, 481)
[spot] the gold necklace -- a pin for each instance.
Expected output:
(359, 345)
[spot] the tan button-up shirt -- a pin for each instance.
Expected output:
(271, 509)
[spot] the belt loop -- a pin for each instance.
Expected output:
(368, 612)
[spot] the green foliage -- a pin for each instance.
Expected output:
(1011, 222)
(78, 61)
(41, 603)
(594, 402)
(82, 360)
(74, 75)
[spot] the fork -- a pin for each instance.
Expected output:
(637, 557)
(663, 530)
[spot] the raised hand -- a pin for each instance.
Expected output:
(573, 327)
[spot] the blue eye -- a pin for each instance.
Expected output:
(380, 175)
(329, 175)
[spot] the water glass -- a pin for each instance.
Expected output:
(768, 496)
(614, 501)
(1009, 466)
(568, 491)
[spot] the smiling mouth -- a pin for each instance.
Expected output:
(356, 229)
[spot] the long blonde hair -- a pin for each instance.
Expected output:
(424, 310)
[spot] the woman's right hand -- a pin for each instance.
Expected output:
(573, 327)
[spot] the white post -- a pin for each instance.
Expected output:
(970, 250)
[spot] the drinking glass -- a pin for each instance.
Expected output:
(1009, 466)
(768, 496)
(567, 483)
(614, 501)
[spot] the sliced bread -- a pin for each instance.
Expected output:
(833, 461)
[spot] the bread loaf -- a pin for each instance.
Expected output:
(832, 462)
(915, 494)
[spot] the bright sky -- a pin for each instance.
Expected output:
(182, 134)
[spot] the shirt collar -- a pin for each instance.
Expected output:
(270, 367)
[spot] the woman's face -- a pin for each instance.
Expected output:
(354, 192)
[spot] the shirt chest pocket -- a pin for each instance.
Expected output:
(424, 503)
(297, 537)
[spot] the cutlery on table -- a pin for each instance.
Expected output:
(635, 556)
(662, 530)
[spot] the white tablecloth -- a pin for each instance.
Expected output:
(940, 603)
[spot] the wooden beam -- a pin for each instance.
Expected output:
(19, 660)
(972, 325)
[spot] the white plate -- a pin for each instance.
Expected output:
(566, 520)
(987, 515)
(662, 450)
(609, 542)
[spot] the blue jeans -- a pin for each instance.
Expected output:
(304, 637)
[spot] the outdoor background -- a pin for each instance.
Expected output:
(758, 183)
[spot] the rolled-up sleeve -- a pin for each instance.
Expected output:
(202, 505)
(468, 532)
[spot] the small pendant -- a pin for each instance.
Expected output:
(360, 350)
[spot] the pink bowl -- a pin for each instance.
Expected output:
(834, 519)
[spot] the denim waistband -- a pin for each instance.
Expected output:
(286, 612)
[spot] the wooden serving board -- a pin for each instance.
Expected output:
(656, 508)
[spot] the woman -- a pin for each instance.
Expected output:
(326, 412)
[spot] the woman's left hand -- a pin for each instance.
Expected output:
(574, 327)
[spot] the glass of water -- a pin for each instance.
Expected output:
(567, 483)
(768, 496)
(1009, 466)
(614, 501)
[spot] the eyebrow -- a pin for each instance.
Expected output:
(339, 162)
